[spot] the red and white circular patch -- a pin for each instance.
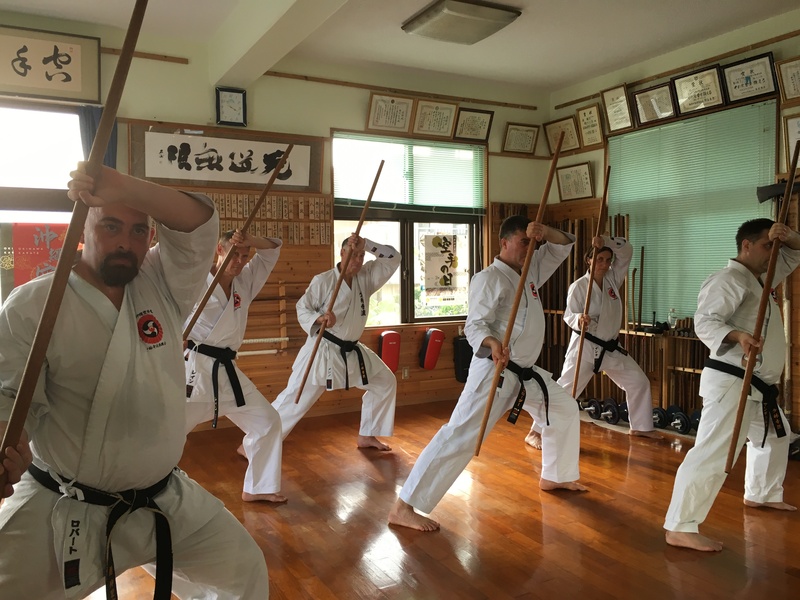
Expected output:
(150, 330)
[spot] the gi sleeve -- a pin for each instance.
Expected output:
(788, 260)
(258, 269)
(719, 297)
(313, 303)
(380, 270)
(486, 296)
(623, 253)
(576, 302)
(547, 258)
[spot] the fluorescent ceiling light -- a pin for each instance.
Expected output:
(460, 21)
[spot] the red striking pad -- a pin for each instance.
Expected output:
(431, 347)
(389, 349)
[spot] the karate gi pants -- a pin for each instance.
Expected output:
(702, 473)
(453, 446)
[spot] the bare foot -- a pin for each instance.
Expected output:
(370, 441)
(775, 505)
(274, 498)
(534, 439)
(652, 434)
(404, 515)
(240, 451)
(547, 485)
(695, 541)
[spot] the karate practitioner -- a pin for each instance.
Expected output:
(212, 345)
(341, 362)
(727, 308)
(601, 350)
(491, 297)
(108, 414)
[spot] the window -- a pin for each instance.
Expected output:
(430, 198)
(687, 187)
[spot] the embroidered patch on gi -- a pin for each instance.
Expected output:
(72, 573)
(612, 294)
(533, 291)
(150, 330)
(237, 300)
(363, 308)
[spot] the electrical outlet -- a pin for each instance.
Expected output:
(405, 372)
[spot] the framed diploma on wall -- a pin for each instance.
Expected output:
(750, 78)
(553, 130)
(520, 138)
(698, 90)
(390, 113)
(575, 182)
(618, 111)
(654, 104)
(590, 125)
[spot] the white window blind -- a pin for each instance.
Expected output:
(687, 187)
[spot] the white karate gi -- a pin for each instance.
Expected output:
(328, 371)
(108, 412)
(222, 324)
(605, 309)
(491, 297)
(728, 301)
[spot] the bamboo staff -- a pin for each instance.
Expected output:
(498, 369)
(603, 205)
(342, 271)
(762, 310)
(641, 287)
(55, 295)
(221, 269)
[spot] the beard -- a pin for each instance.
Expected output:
(118, 275)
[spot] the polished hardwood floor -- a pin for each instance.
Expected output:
(501, 538)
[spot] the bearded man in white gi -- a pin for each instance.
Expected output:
(727, 308)
(341, 361)
(491, 297)
(108, 414)
(601, 349)
(212, 345)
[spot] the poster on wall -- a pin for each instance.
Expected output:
(37, 248)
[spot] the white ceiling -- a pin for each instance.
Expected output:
(553, 44)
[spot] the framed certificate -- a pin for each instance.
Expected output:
(698, 90)
(473, 125)
(390, 113)
(654, 104)
(791, 133)
(575, 182)
(590, 125)
(749, 78)
(789, 79)
(618, 111)
(554, 128)
(434, 118)
(520, 138)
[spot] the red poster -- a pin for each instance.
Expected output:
(36, 249)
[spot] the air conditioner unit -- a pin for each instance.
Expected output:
(460, 21)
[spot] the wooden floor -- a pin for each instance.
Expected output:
(501, 537)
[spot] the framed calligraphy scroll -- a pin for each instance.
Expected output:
(195, 155)
(48, 64)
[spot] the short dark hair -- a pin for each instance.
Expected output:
(752, 230)
(512, 225)
(590, 252)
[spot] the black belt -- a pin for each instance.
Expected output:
(121, 503)
(225, 357)
(526, 374)
(606, 345)
(345, 347)
(769, 396)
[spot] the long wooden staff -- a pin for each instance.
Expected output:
(221, 270)
(342, 271)
(762, 311)
(641, 287)
(600, 229)
(44, 331)
(498, 369)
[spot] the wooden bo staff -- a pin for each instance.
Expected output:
(498, 369)
(641, 288)
(762, 310)
(221, 270)
(603, 206)
(55, 295)
(342, 270)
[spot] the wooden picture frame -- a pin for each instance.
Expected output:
(553, 129)
(654, 104)
(791, 133)
(617, 108)
(698, 91)
(750, 78)
(590, 125)
(49, 65)
(789, 80)
(520, 138)
(390, 113)
(435, 119)
(575, 181)
(473, 125)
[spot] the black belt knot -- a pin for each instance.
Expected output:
(121, 503)
(346, 346)
(526, 374)
(605, 345)
(769, 396)
(225, 357)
